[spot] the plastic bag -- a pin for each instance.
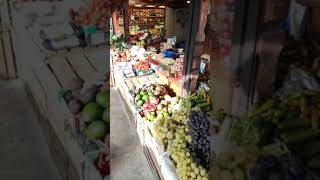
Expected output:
(167, 167)
(203, 86)
(298, 80)
(295, 18)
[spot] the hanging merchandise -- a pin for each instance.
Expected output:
(296, 16)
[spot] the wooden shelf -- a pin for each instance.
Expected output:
(160, 15)
(150, 17)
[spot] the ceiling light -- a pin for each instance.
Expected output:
(150, 6)
(188, 2)
(138, 5)
(162, 7)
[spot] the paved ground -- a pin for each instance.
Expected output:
(128, 161)
(24, 153)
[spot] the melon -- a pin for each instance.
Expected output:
(103, 98)
(96, 130)
(92, 111)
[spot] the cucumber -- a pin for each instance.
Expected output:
(204, 104)
(297, 136)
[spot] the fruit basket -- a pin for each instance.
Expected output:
(154, 101)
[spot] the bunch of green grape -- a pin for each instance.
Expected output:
(186, 168)
(175, 130)
(165, 128)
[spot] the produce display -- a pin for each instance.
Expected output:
(122, 56)
(199, 130)
(147, 17)
(234, 165)
(291, 120)
(155, 101)
(119, 49)
(142, 66)
(173, 132)
(156, 31)
(201, 100)
(117, 41)
(90, 104)
(294, 120)
(142, 36)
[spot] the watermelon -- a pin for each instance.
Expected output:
(96, 130)
(103, 98)
(92, 111)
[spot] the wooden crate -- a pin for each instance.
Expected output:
(56, 148)
(7, 59)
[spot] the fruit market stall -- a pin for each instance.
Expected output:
(173, 128)
(57, 77)
(262, 78)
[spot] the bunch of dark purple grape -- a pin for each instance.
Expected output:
(199, 130)
(285, 167)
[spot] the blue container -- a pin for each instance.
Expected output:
(170, 54)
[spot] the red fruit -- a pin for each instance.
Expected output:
(146, 105)
(102, 165)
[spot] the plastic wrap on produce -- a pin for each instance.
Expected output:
(167, 167)
(203, 86)
(298, 80)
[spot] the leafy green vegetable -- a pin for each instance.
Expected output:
(118, 41)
